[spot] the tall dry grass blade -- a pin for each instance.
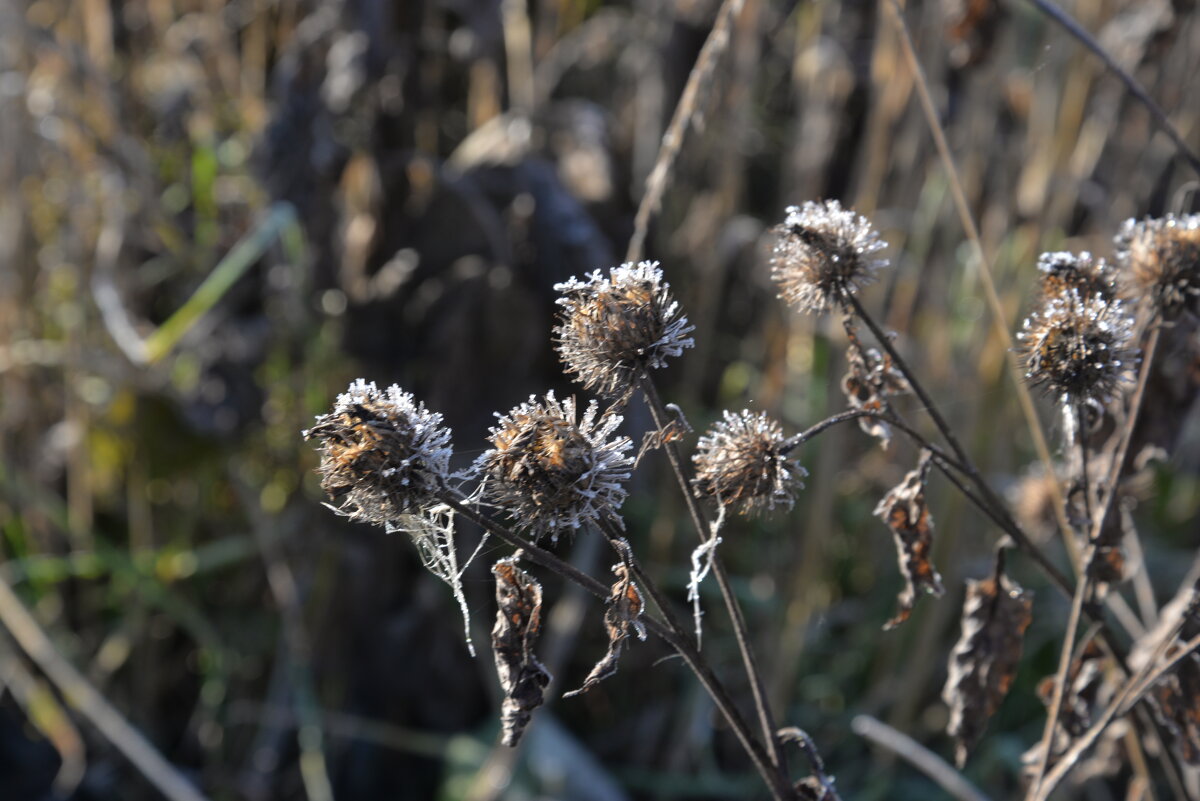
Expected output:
(91, 704)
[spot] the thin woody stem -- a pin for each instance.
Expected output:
(775, 780)
(658, 412)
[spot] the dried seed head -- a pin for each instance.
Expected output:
(823, 253)
(610, 329)
(1079, 348)
(740, 461)
(382, 454)
(551, 473)
(1161, 258)
(1088, 275)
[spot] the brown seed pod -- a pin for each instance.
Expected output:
(823, 253)
(382, 454)
(552, 473)
(1160, 257)
(613, 328)
(740, 462)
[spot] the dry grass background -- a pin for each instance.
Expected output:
(405, 182)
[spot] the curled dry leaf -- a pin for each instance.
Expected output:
(1089, 688)
(1176, 697)
(904, 511)
(518, 623)
(982, 665)
(625, 607)
(869, 381)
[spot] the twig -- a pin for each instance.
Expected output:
(918, 756)
(1087, 40)
(999, 321)
(661, 419)
(672, 141)
(79, 692)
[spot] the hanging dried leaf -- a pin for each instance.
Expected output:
(625, 607)
(868, 383)
(1176, 697)
(904, 511)
(518, 623)
(1089, 688)
(982, 665)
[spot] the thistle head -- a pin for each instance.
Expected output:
(551, 472)
(823, 253)
(1079, 348)
(382, 454)
(612, 328)
(1161, 259)
(741, 461)
(1090, 276)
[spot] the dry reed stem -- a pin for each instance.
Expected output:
(79, 692)
(699, 80)
(917, 755)
(999, 323)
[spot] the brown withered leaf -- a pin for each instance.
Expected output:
(1089, 688)
(869, 381)
(625, 607)
(982, 665)
(518, 623)
(904, 511)
(1176, 697)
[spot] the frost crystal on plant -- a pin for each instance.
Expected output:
(1088, 275)
(741, 461)
(382, 454)
(551, 473)
(823, 253)
(1161, 258)
(1078, 347)
(612, 328)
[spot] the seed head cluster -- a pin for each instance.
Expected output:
(612, 328)
(1079, 347)
(1161, 258)
(1089, 276)
(822, 254)
(740, 462)
(382, 454)
(551, 473)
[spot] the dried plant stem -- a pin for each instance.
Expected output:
(999, 320)
(772, 775)
(971, 471)
(918, 756)
(90, 703)
(662, 419)
(1087, 40)
(672, 141)
(1130, 694)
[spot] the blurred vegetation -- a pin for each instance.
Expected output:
(214, 215)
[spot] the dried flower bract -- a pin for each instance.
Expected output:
(382, 454)
(1161, 258)
(1079, 348)
(551, 473)
(823, 253)
(1090, 276)
(611, 329)
(740, 461)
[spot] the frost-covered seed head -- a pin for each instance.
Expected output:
(1077, 348)
(551, 473)
(612, 328)
(382, 454)
(1161, 258)
(823, 253)
(740, 462)
(1088, 275)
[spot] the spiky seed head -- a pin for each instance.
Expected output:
(613, 327)
(552, 473)
(1088, 275)
(740, 462)
(824, 252)
(1079, 348)
(1160, 257)
(382, 454)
